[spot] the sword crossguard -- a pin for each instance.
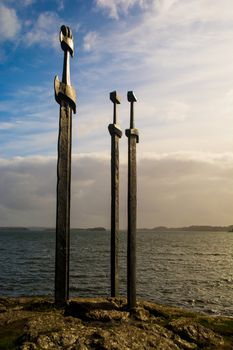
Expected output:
(63, 90)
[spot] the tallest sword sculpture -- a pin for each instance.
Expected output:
(66, 98)
(116, 133)
(133, 139)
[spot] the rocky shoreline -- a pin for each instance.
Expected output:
(34, 323)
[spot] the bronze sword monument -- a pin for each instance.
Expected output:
(133, 139)
(116, 134)
(66, 98)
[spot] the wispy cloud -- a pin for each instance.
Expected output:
(177, 57)
(10, 23)
(5, 125)
(61, 5)
(44, 31)
(116, 7)
(27, 2)
(19, 3)
(90, 41)
(34, 125)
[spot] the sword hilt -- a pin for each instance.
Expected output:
(63, 89)
(66, 40)
(67, 46)
(115, 100)
(131, 98)
(114, 128)
(132, 130)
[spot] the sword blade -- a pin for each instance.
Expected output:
(63, 204)
(115, 215)
(132, 219)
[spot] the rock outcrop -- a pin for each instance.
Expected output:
(106, 324)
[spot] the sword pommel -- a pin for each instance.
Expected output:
(131, 97)
(114, 97)
(66, 39)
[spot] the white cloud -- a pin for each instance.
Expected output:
(170, 112)
(19, 3)
(5, 125)
(178, 59)
(61, 5)
(28, 2)
(10, 23)
(90, 41)
(116, 7)
(44, 30)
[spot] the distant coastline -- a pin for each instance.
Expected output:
(200, 228)
(14, 228)
(52, 229)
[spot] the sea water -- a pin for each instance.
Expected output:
(188, 269)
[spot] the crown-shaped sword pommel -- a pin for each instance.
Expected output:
(66, 40)
(63, 89)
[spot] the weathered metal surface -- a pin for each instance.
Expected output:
(131, 98)
(66, 97)
(64, 92)
(63, 205)
(133, 139)
(116, 134)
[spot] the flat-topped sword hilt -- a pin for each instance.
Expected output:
(114, 128)
(131, 98)
(132, 130)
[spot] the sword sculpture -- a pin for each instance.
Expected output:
(116, 134)
(66, 97)
(133, 138)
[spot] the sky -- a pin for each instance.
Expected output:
(177, 57)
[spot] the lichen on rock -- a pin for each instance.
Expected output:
(107, 324)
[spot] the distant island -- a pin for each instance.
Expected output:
(14, 228)
(202, 228)
(50, 229)
(99, 228)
